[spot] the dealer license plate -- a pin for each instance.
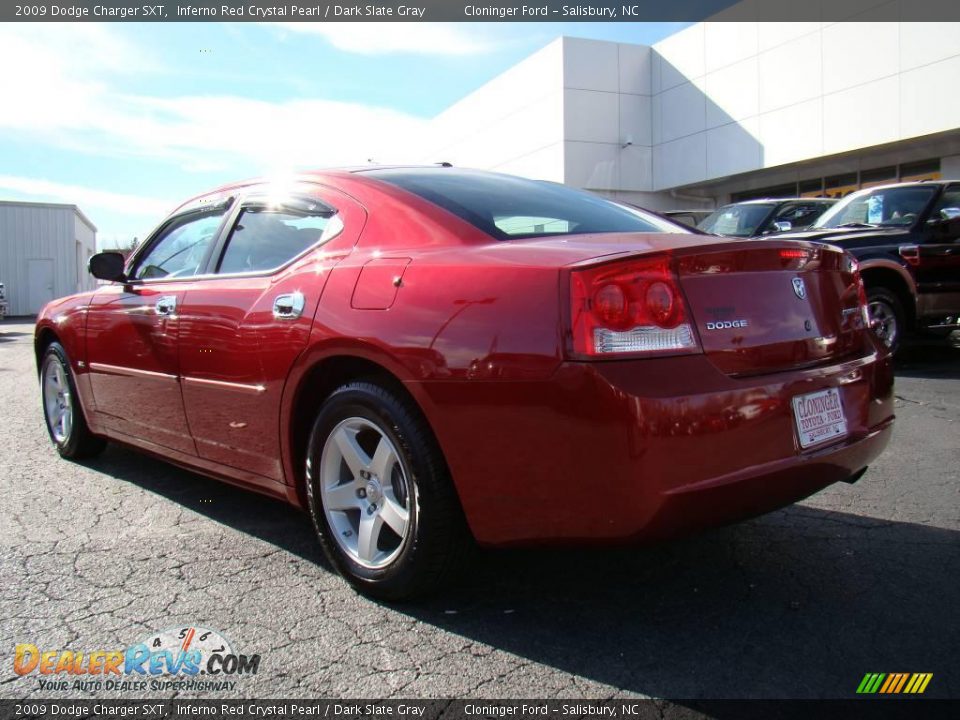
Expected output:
(819, 417)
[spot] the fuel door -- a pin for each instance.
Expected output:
(378, 283)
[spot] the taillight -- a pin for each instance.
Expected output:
(910, 253)
(632, 307)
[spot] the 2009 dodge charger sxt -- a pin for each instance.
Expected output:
(423, 357)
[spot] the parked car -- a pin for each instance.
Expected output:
(422, 358)
(691, 218)
(754, 218)
(3, 302)
(679, 225)
(907, 239)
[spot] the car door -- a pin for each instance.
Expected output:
(133, 331)
(938, 256)
(246, 321)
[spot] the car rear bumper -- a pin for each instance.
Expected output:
(624, 451)
(761, 489)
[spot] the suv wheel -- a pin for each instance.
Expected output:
(887, 316)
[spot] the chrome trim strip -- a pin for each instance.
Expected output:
(130, 372)
(224, 385)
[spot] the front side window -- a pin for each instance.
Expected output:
(266, 237)
(181, 250)
(884, 207)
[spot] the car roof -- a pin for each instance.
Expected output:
(915, 184)
(768, 201)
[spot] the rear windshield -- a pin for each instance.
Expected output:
(508, 207)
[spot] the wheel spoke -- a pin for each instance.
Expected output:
(394, 515)
(50, 396)
(341, 497)
(351, 451)
(370, 527)
(383, 460)
(66, 422)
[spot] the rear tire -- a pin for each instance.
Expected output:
(62, 412)
(380, 494)
(887, 312)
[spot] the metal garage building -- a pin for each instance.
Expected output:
(44, 248)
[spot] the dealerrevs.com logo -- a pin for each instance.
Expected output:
(183, 658)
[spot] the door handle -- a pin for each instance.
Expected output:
(288, 306)
(166, 305)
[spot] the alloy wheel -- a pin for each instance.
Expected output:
(884, 321)
(57, 400)
(365, 492)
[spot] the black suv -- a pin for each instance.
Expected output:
(907, 240)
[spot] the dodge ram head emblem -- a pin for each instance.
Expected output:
(800, 288)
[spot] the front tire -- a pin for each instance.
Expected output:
(64, 417)
(888, 317)
(380, 495)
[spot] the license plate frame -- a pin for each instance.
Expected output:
(819, 418)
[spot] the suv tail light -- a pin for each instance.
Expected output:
(630, 308)
(861, 295)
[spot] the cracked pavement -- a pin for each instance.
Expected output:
(799, 603)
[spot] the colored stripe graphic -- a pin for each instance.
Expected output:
(894, 683)
(903, 679)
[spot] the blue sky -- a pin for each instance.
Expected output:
(126, 120)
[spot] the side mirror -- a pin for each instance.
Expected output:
(107, 266)
(782, 226)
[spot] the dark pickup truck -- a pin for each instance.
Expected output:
(907, 240)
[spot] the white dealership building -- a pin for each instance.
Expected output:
(722, 111)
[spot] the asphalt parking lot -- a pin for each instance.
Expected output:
(800, 603)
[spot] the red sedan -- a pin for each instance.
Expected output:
(423, 358)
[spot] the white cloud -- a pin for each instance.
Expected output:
(382, 38)
(60, 95)
(85, 197)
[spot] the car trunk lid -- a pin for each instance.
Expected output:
(767, 306)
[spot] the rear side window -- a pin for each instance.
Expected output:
(507, 207)
(266, 237)
(949, 200)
